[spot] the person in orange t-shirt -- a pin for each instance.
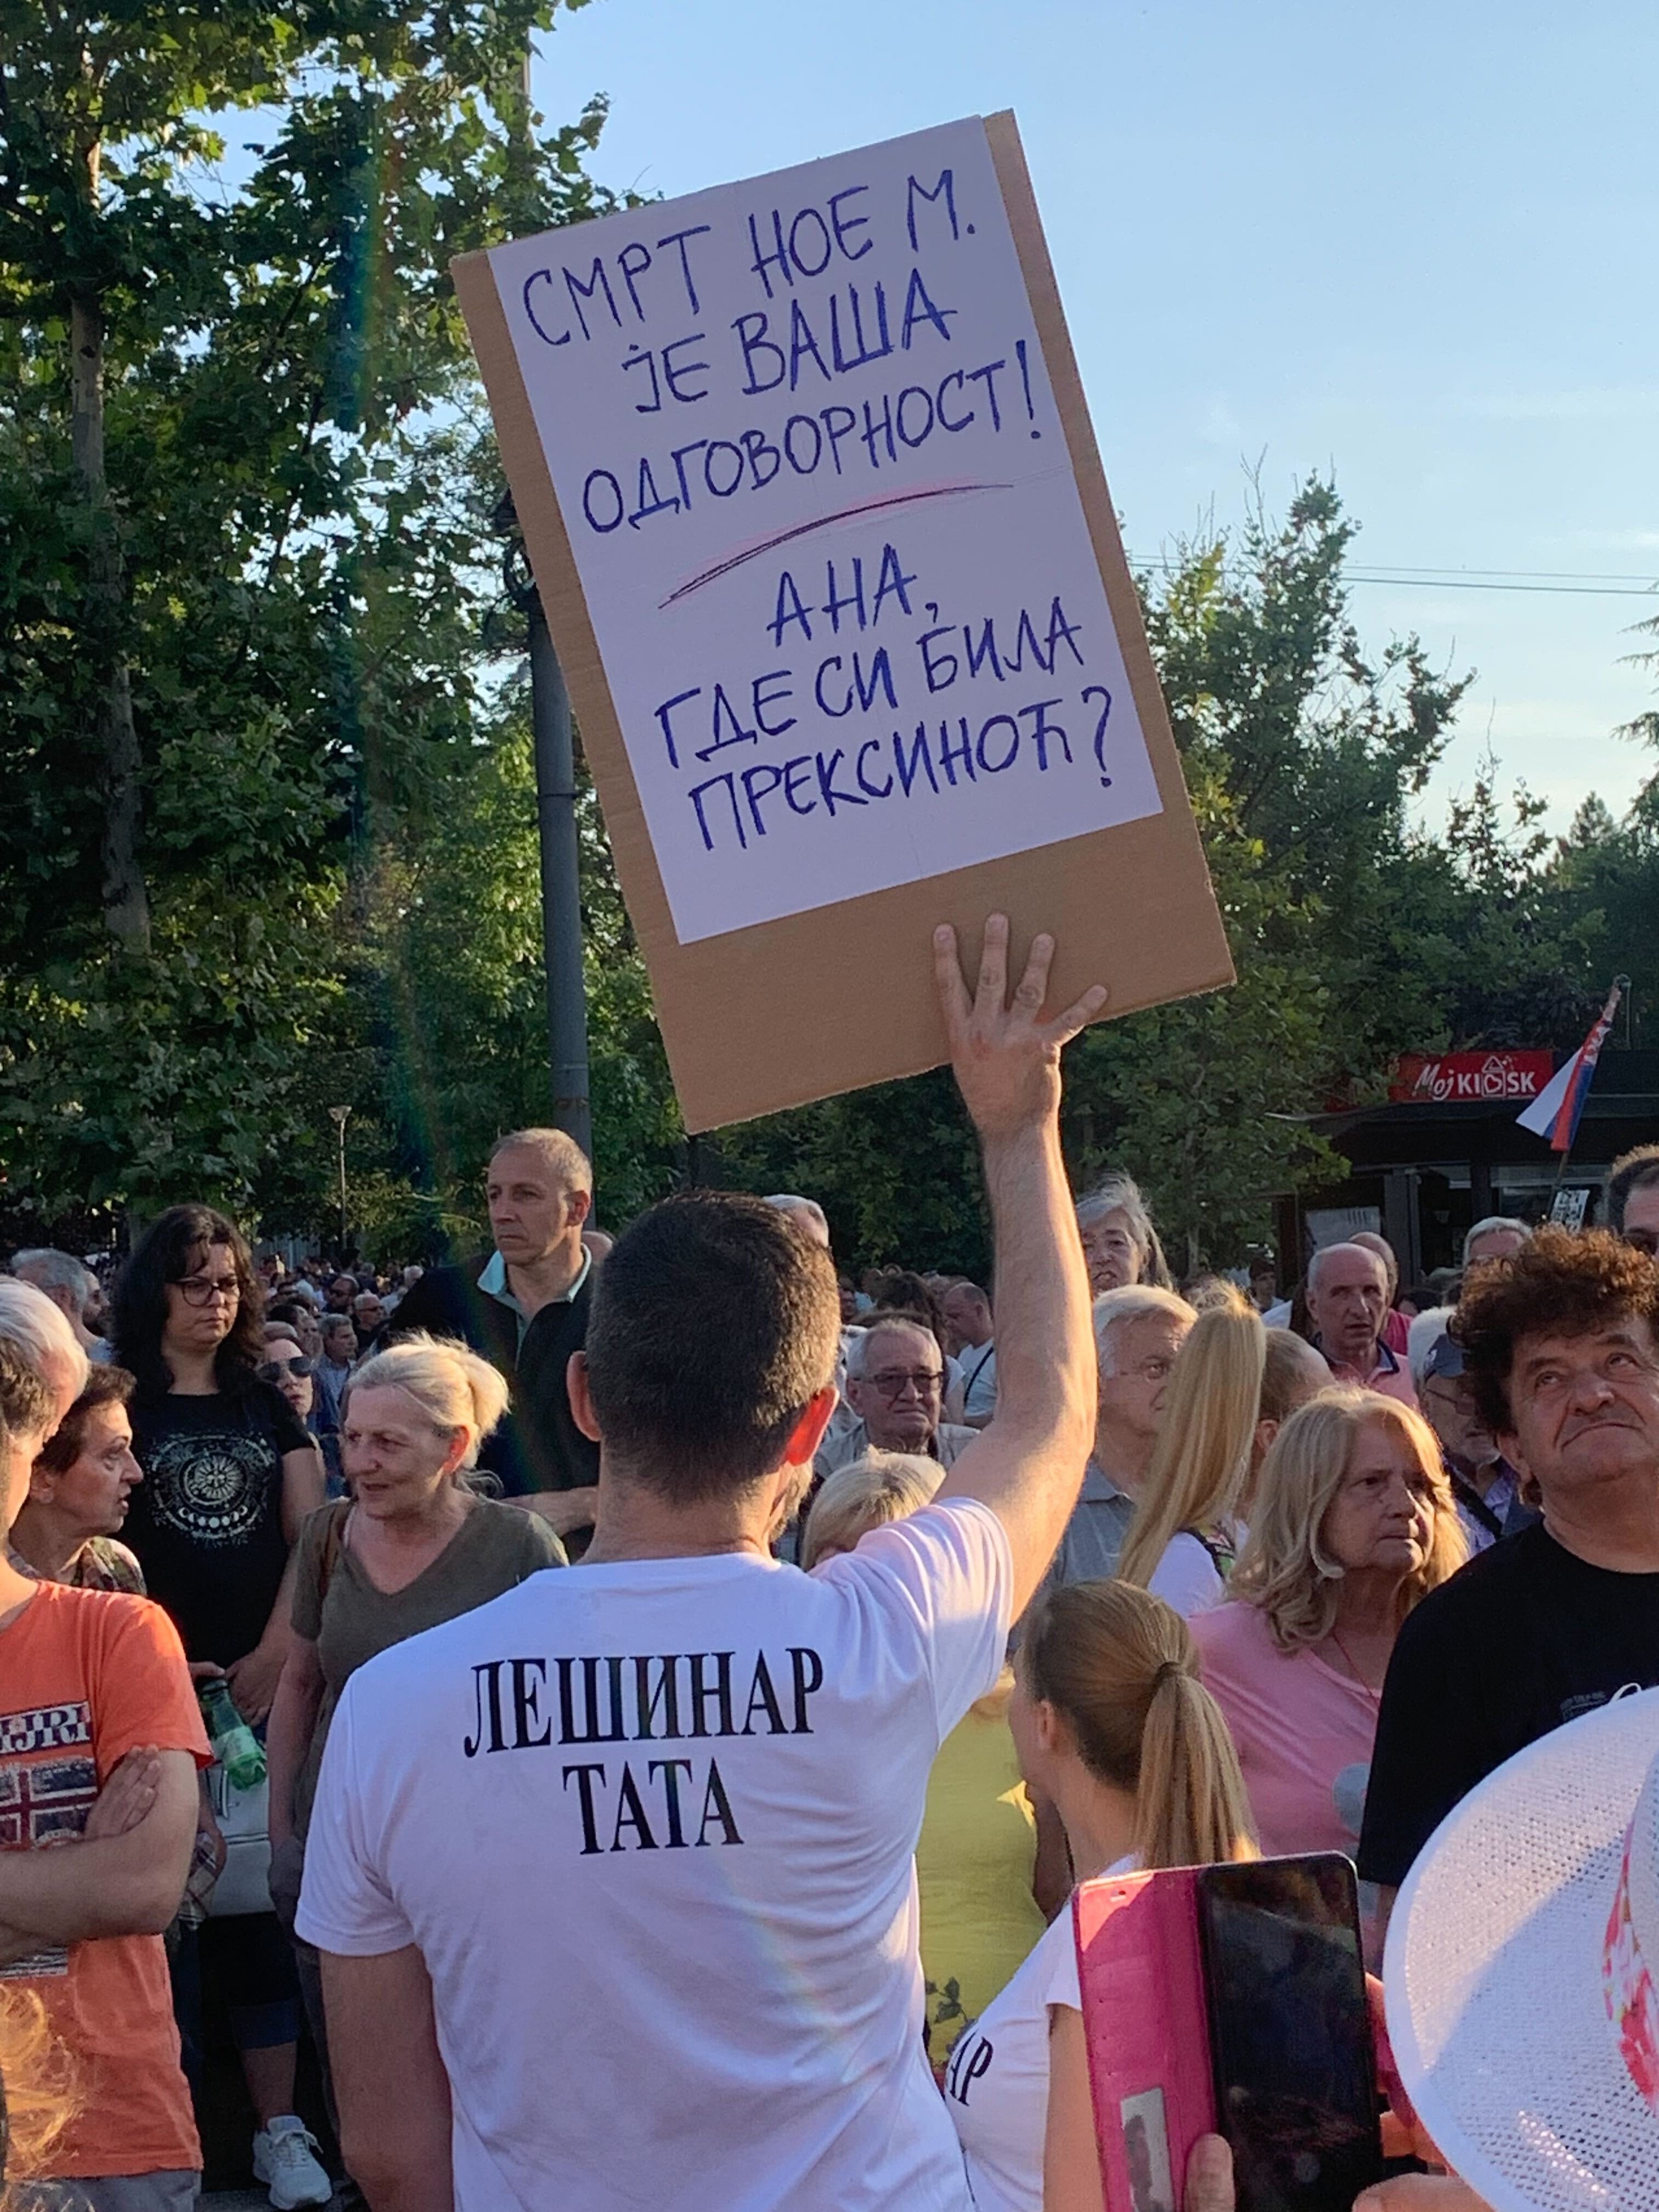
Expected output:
(95, 1699)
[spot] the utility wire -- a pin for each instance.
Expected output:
(1569, 582)
(1471, 584)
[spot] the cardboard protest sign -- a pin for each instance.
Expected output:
(814, 506)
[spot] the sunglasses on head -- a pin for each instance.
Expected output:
(272, 1371)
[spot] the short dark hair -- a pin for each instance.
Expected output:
(27, 1400)
(1562, 1282)
(1633, 1170)
(714, 1322)
(106, 1386)
(165, 1253)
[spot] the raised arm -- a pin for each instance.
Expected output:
(1028, 1466)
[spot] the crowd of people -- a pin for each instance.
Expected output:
(638, 1712)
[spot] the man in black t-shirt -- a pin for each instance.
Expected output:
(525, 1309)
(1561, 1343)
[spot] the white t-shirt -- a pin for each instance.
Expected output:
(979, 1368)
(954, 1389)
(652, 1826)
(1186, 1576)
(996, 2082)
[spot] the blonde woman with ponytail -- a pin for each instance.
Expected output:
(1113, 1725)
(413, 1544)
(1189, 1523)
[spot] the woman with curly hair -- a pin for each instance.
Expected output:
(1354, 1521)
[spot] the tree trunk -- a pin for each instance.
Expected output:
(126, 904)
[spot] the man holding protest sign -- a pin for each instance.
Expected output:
(729, 1816)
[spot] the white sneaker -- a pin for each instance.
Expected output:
(285, 2159)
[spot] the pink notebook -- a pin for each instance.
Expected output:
(1146, 2020)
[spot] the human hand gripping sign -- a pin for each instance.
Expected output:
(1007, 1056)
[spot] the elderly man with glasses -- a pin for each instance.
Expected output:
(1486, 1487)
(895, 1386)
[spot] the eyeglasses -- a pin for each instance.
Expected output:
(1644, 1240)
(893, 1380)
(272, 1371)
(202, 1289)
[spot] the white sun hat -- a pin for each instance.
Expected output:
(1522, 1974)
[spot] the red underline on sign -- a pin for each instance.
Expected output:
(805, 530)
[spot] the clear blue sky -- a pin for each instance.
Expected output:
(1413, 244)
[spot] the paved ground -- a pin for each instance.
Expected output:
(236, 2199)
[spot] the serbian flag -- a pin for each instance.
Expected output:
(1554, 1113)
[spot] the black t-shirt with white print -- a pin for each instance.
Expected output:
(1526, 1637)
(206, 1520)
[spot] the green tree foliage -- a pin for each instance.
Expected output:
(1357, 934)
(271, 828)
(240, 588)
(454, 972)
(1300, 757)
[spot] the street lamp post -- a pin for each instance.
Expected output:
(340, 1115)
(561, 912)
(555, 803)
(556, 814)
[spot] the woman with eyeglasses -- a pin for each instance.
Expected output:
(230, 1474)
(290, 1369)
(229, 1471)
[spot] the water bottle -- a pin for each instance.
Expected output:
(235, 1747)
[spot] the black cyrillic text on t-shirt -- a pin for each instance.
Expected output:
(653, 1698)
(669, 1809)
(648, 1698)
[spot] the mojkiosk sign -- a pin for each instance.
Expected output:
(1469, 1078)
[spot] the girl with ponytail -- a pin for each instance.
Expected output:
(1114, 1726)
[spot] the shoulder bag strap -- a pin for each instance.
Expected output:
(333, 1544)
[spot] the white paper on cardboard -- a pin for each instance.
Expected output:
(812, 474)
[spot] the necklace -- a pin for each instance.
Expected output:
(1373, 1691)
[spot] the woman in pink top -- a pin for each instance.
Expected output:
(1353, 1521)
